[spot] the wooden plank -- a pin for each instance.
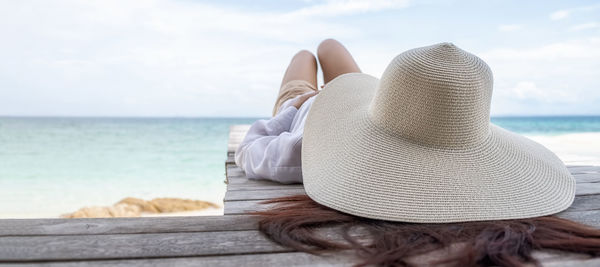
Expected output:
(249, 260)
(344, 258)
(117, 246)
(588, 217)
(236, 195)
(236, 135)
(260, 187)
(583, 169)
(244, 206)
(587, 177)
(248, 184)
(161, 245)
(592, 262)
(584, 189)
(587, 202)
(550, 255)
(235, 171)
(96, 226)
(243, 180)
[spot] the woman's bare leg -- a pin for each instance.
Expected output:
(302, 67)
(335, 60)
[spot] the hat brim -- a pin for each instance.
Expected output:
(353, 166)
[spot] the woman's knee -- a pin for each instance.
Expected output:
(327, 46)
(305, 56)
(335, 60)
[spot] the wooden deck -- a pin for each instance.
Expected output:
(230, 240)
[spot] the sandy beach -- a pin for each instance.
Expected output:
(573, 148)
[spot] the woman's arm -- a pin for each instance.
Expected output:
(270, 151)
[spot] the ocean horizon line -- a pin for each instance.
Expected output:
(251, 117)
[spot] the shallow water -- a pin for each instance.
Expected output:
(49, 166)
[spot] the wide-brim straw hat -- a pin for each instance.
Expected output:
(418, 146)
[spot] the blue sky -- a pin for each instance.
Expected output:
(226, 58)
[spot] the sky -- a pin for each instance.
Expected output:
(226, 58)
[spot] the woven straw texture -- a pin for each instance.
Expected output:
(417, 146)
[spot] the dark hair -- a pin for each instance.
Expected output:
(302, 224)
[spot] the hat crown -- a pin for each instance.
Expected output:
(436, 95)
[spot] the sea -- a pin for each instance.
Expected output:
(51, 166)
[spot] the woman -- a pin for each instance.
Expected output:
(272, 148)
(408, 164)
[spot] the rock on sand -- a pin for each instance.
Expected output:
(135, 207)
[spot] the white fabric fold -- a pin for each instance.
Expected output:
(271, 149)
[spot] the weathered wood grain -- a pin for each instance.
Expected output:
(590, 262)
(236, 135)
(40, 227)
(235, 195)
(244, 206)
(586, 202)
(584, 189)
(587, 169)
(124, 246)
(235, 171)
(588, 217)
(248, 260)
(116, 246)
(587, 177)
(259, 187)
(343, 258)
(248, 184)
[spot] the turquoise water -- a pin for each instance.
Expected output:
(549, 125)
(50, 166)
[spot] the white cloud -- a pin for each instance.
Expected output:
(524, 90)
(564, 13)
(509, 27)
(588, 48)
(348, 7)
(529, 90)
(560, 14)
(585, 26)
(555, 78)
